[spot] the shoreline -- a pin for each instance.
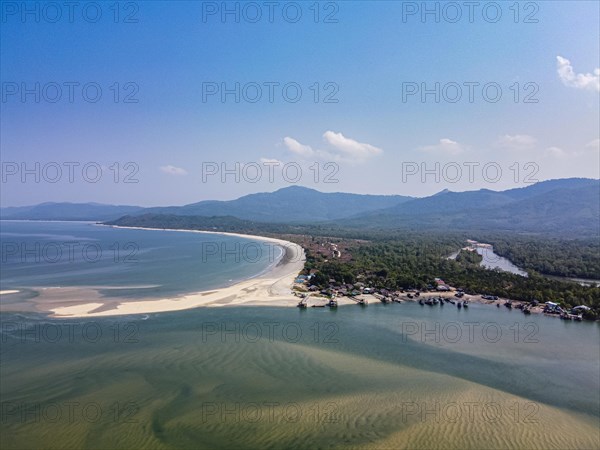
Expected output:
(271, 287)
(280, 242)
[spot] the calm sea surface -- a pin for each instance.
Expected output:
(138, 263)
(385, 376)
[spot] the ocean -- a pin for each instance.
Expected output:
(126, 263)
(384, 376)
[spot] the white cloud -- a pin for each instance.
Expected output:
(172, 170)
(349, 147)
(590, 148)
(342, 149)
(271, 161)
(516, 142)
(445, 145)
(569, 78)
(593, 145)
(297, 148)
(556, 152)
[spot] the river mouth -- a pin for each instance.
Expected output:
(494, 261)
(491, 260)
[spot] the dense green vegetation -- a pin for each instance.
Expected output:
(468, 258)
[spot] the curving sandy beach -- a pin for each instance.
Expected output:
(272, 288)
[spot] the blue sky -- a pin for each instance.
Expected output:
(370, 141)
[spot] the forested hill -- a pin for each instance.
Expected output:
(569, 207)
(566, 207)
(294, 204)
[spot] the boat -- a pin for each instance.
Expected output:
(421, 302)
(466, 304)
(459, 305)
(526, 311)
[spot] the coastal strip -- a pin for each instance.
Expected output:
(272, 288)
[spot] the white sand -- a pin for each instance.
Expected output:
(270, 289)
(78, 310)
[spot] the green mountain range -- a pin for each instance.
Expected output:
(561, 206)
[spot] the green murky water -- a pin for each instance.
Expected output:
(386, 376)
